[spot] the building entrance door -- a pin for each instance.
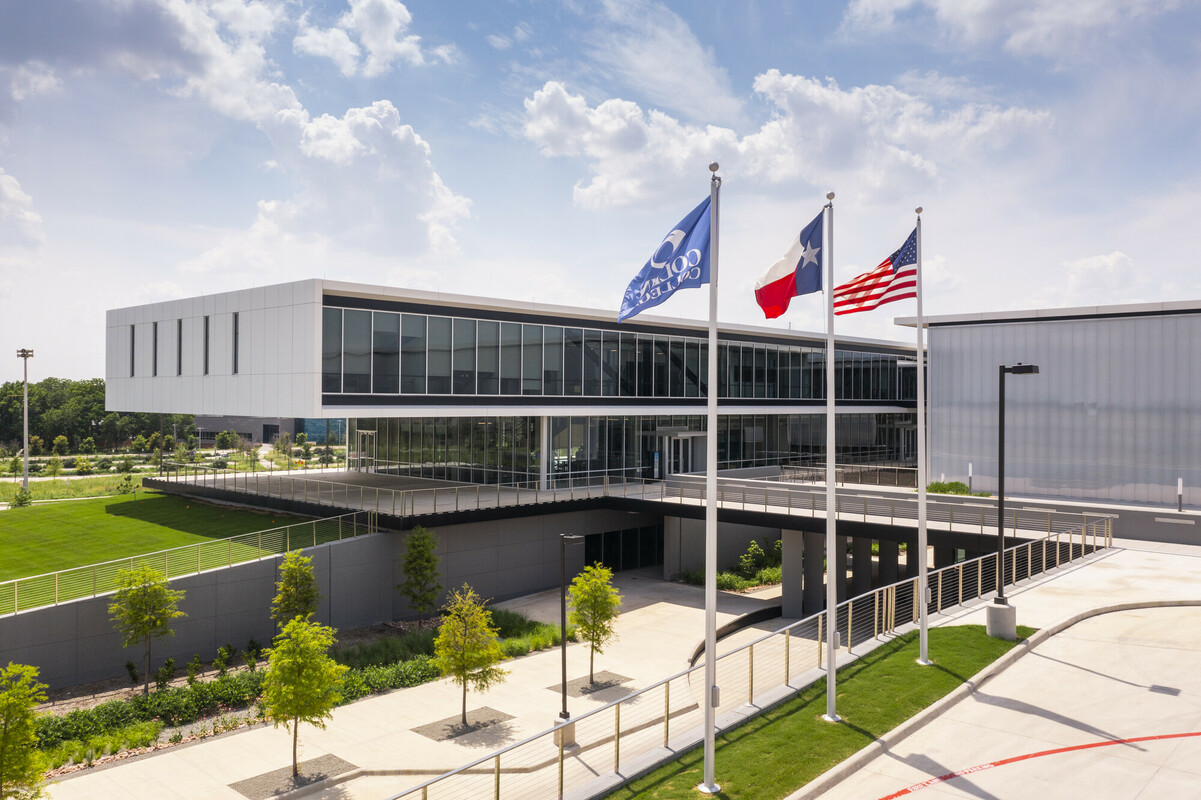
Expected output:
(365, 452)
(681, 455)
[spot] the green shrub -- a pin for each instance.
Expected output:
(132, 669)
(769, 575)
(729, 582)
(138, 734)
(195, 667)
(947, 487)
(83, 466)
(21, 499)
(164, 674)
(693, 577)
(753, 560)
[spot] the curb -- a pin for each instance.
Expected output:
(843, 770)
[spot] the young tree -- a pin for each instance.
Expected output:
(54, 467)
(296, 592)
(301, 682)
(36, 445)
(60, 445)
(139, 444)
(420, 565)
(142, 609)
(594, 604)
(21, 764)
(467, 647)
(87, 446)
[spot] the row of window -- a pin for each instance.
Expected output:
(506, 450)
(154, 339)
(378, 352)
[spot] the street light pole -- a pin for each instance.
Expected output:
(1002, 620)
(26, 354)
(564, 538)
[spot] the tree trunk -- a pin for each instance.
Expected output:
(464, 704)
(295, 736)
(146, 674)
(591, 658)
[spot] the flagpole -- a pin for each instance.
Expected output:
(923, 579)
(832, 560)
(709, 785)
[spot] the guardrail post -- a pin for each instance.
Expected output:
(666, 710)
(314, 533)
(915, 600)
(750, 680)
(938, 604)
(288, 539)
(229, 543)
(562, 738)
(959, 569)
(617, 737)
(496, 777)
(93, 580)
(56, 588)
(787, 655)
(850, 625)
(198, 559)
(819, 639)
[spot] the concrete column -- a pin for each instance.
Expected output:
(815, 580)
(544, 451)
(887, 573)
(911, 559)
(792, 596)
(840, 570)
(861, 564)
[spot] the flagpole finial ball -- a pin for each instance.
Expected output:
(917, 210)
(713, 167)
(829, 195)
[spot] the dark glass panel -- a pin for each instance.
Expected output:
(662, 356)
(552, 360)
(385, 353)
(573, 361)
(592, 363)
(531, 359)
(331, 350)
(692, 368)
(510, 358)
(412, 354)
(464, 357)
(610, 364)
(629, 365)
(438, 360)
(356, 352)
(646, 366)
(676, 368)
(488, 357)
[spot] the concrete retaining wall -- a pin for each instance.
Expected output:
(75, 642)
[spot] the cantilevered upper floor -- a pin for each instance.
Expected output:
(319, 348)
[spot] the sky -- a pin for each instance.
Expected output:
(531, 150)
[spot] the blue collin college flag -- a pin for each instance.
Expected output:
(681, 261)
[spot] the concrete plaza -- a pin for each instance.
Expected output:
(1113, 676)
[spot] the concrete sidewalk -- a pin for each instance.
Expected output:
(660, 626)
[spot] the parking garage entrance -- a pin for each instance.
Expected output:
(632, 548)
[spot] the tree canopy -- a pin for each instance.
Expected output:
(301, 682)
(420, 565)
(142, 609)
(21, 763)
(296, 591)
(594, 604)
(467, 647)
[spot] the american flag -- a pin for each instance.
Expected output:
(894, 279)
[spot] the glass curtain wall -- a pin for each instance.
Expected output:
(381, 352)
(505, 450)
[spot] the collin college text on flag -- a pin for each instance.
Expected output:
(894, 279)
(798, 272)
(681, 261)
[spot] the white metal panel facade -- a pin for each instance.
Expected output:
(1114, 414)
(278, 359)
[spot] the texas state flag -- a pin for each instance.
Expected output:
(798, 272)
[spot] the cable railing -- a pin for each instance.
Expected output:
(733, 493)
(668, 714)
(24, 594)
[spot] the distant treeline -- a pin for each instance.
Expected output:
(75, 409)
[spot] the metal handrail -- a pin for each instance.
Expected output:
(348, 526)
(883, 607)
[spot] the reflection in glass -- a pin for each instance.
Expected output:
(331, 349)
(385, 353)
(412, 354)
(356, 349)
(438, 355)
(464, 356)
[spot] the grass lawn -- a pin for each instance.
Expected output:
(55, 536)
(60, 488)
(776, 753)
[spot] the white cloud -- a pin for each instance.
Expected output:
(498, 42)
(331, 43)
(33, 78)
(382, 30)
(1055, 29)
(876, 138)
(653, 51)
(20, 225)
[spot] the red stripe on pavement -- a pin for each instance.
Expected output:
(1003, 762)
